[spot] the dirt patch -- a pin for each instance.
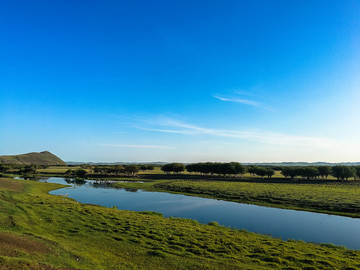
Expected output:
(11, 244)
(11, 185)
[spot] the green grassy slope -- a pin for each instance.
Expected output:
(42, 231)
(42, 158)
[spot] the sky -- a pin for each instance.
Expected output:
(181, 81)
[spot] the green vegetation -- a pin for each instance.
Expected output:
(261, 171)
(173, 167)
(231, 168)
(42, 158)
(116, 170)
(343, 172)
(342, 198)
(57, 169)
(42, 231)
(340, 172)
(76, 173)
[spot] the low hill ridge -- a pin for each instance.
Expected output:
(42, 158)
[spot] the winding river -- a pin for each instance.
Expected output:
(282, 223)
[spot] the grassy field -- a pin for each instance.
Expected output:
(327, 197)
(42, 231)
(58, 169)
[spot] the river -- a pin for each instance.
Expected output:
(282, 223)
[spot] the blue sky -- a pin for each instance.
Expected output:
(247, 81)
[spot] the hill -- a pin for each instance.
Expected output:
(42, 158)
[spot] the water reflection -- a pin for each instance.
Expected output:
(131, 189)
(78, 182)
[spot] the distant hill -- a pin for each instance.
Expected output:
(42, 158)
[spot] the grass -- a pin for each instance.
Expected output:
(156, 170)
(58, 169)
(341, 198)
(42, 231)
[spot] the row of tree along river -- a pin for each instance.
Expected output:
(340, 172)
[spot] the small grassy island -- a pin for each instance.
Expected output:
(42, 231)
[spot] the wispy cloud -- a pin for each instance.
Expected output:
(177, 127)
(245, 93)
(243, 97)
(239, 100)
(146, 146)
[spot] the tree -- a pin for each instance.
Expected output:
(270, 172)
(291, 172)
(147, 167)
(173, 167)
(252, 169)
(29, 169)
(343, 172)
(231, 168)
(260, 171)
(178, 167)
(239, 168)
(4, 168)
(80, 173)
(191, 168)
(324, 171)
(309, 172)
(357, 169)
(76, 173)
(132, 169)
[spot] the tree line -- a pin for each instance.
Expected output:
(85, 169)
(341, 172)
(131, 169)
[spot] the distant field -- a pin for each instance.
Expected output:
(42, 231)
(58, 169)
(157, 170)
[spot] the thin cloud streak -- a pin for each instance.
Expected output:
(146, 146)
(239, 100)
(262, 137)
(245, 93)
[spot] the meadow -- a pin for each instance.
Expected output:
(42, 231)
(57, 169)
